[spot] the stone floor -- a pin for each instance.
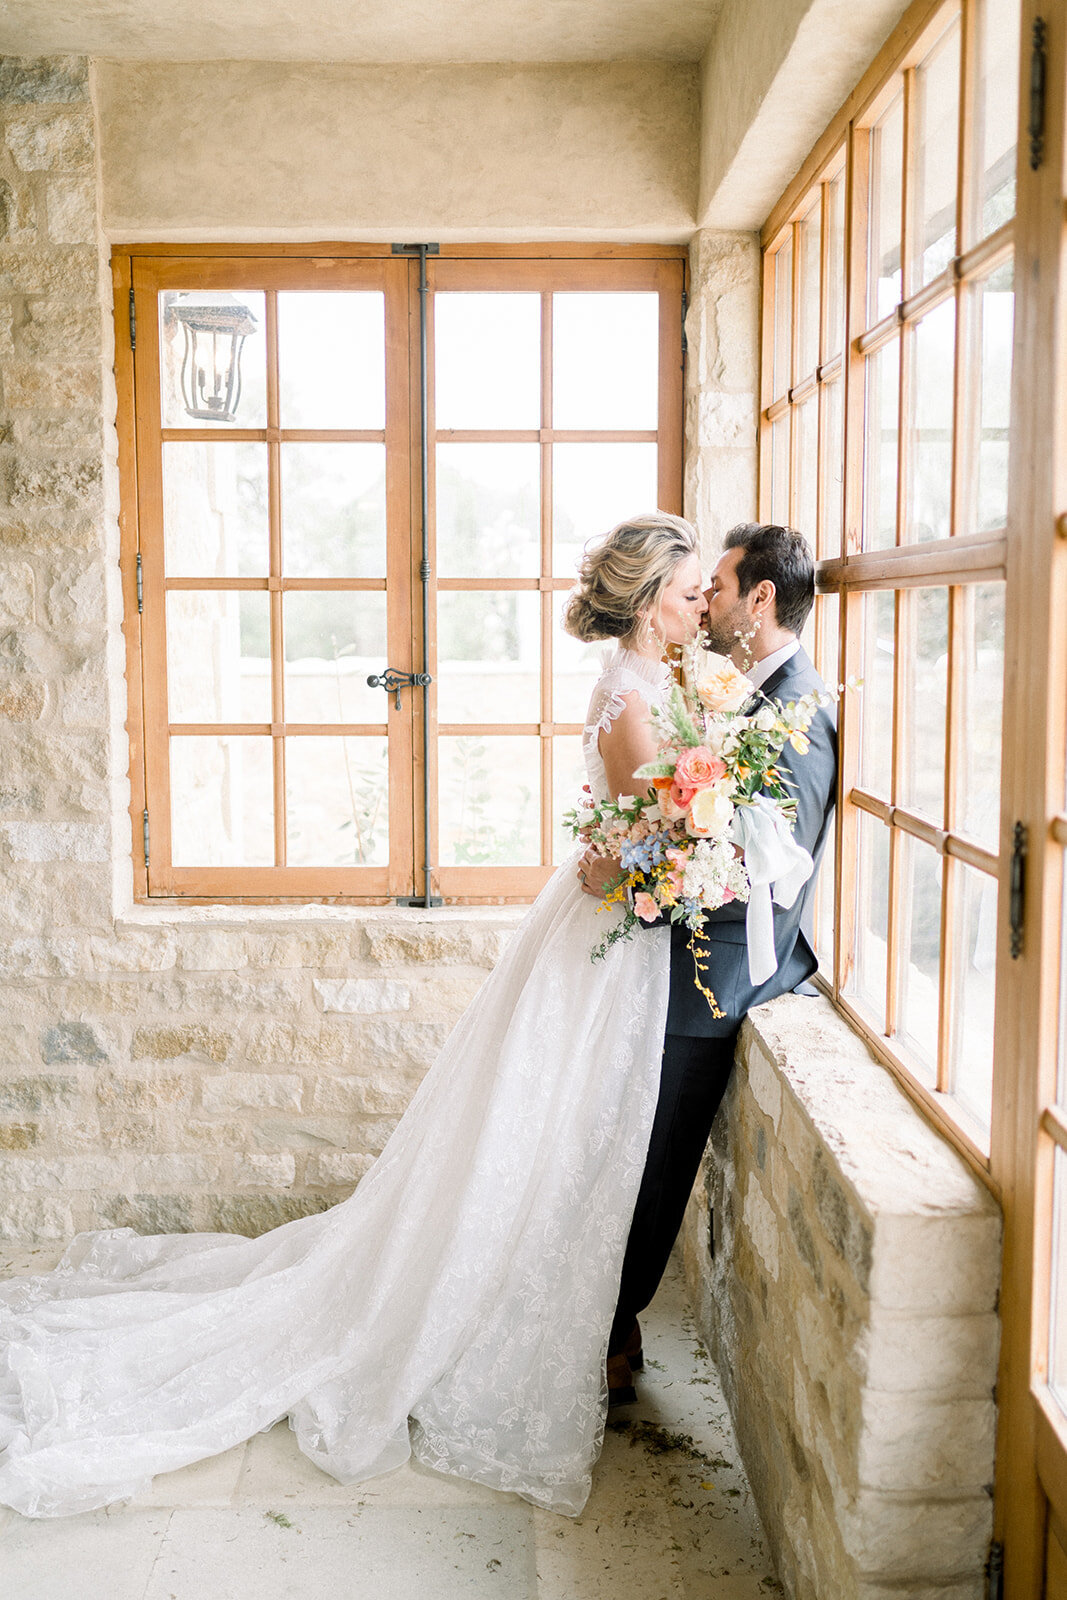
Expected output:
(671, 1516)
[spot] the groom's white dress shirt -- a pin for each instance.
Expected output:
(760, 671)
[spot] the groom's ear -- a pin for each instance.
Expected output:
(764, 596)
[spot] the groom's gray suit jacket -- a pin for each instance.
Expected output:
(812, 780)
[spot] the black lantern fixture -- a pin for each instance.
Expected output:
(215, 328)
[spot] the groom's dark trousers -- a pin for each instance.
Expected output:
(698, 1049)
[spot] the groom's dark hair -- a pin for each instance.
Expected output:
(782, 556)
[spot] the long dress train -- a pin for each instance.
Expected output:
(457, 1305)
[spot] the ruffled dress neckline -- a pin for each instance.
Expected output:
(656, 673)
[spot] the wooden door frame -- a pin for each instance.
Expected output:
(1032, 1434)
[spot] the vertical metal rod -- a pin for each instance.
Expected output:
(424, 568)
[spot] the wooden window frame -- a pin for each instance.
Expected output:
(962, 559)
(144, 269)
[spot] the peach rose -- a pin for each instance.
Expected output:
(697, 768)
(722, 687)
(675, 802)
(645, 906)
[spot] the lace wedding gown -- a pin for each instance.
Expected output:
(456, 1305)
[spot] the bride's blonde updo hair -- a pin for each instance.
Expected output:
(622, 578)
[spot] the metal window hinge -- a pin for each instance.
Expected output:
(146, 839)
(133, 322)
(685, 309)
(140, 583)
(1038, 77)
(995, 1571)
(1017, 890)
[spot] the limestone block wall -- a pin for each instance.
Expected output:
(722, 379)
(844, 1265)
(220, 1072)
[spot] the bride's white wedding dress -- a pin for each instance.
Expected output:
(457, 1305)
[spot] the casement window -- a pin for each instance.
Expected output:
(888, 326)
(273, 467)
(912, 420)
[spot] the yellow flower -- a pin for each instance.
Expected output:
(800, 742)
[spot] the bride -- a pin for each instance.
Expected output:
(458, 1304)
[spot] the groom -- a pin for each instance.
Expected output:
(761, 592)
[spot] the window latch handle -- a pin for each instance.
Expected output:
(392, 681)
(1017, 890)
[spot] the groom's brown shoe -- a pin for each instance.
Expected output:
(621, 1391)
(632, 1349)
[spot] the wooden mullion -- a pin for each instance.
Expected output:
(794, 360)
(767, 402)
(967, 558)
(965, 151)
(546, 529)
(277, 626)
(151, 543)
(129, 534)
(671, 282)
(273, 434)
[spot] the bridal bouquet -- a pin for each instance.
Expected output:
(719, 828)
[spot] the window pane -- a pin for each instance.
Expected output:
(332, 643)
(880, 452)
(218, 656)
(487, 360)
(828, 610)
(824, 907)
(595, 486)
(980, 612)
(973, 986)
(833, 485)
(333, 510)
(930, 426)
(212, 359)
(488, 657)
(576, 666)
(605, 360)
(886, 158)
(992, 305)
(476, 829)
(337, 802)
(222, 802)
(488, 510)
(215, 521)
(918, 978)
(808, 331)
(780, 468)
(807, 426)
(835, 266)
(995, 112)
(872, 915)
(331, 359)
(568, 776)
(1061, 1077)
(933, 212)
(924, 636)
(876, 696)
(1057, 1349)
(783, 318)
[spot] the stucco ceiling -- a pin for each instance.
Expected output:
(360, 30)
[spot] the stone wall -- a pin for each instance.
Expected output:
(844, 1265)
(722, 379)
(199, 1069)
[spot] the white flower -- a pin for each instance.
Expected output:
(710, 811)
(766, 719)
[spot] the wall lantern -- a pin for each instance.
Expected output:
(215, 328)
